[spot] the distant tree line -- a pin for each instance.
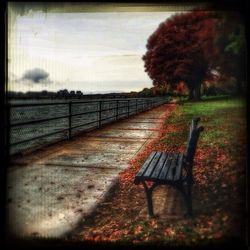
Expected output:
(45, 94)
(66, 94)
(208, 88)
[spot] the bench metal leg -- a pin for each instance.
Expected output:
(189, 202)
(149, 192)
(186, 191)
(149, 202)
(187, 196)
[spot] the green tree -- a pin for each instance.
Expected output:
(146, 92)
(231, 47)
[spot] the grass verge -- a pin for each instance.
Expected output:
(218, 191)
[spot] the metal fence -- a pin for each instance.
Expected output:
(33, 125)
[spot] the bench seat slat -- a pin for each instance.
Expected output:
(178, 168)
(170, 174)
(165, 167)
(152, 165)
(146, 164)
(159, 166)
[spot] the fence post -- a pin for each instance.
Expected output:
(128, 107)
(7, 127)
(116, 114)
(99, 114)
(70, 119)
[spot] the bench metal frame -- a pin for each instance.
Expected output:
(182, 184)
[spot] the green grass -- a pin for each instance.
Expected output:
(214, 113)
(218, 197)
(219, 176)
(175, 138)
(184, 99)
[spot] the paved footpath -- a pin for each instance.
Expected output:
(51, 190)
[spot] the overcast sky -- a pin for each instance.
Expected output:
(91, 52)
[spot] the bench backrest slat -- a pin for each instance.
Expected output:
(192, 140)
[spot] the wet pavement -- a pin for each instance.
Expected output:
(51, 190)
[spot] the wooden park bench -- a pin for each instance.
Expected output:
(173, 169)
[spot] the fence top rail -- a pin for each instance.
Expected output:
(79, 102)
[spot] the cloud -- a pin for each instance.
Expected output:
(12, 77)
(36, 75)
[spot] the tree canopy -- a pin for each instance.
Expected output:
(180, 50)
(231, 47)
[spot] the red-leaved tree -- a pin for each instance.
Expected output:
(181, 49)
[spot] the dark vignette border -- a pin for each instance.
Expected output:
(7, 242)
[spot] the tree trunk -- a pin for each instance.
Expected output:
(197, 92)
(190, 94)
